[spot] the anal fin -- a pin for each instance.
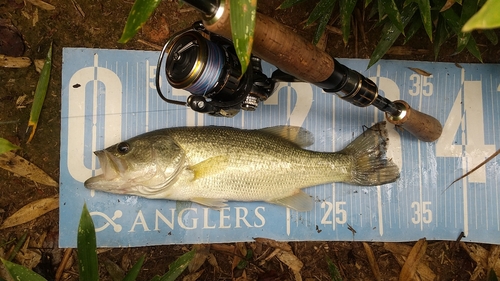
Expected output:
(300, 201)
(215, 203)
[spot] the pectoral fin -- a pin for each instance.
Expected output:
(209, 166)
(301, 202)
(210, 202)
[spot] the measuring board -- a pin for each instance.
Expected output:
(110, 95)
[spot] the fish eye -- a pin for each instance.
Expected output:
(123, 147)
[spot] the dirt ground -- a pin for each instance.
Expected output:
(98, 24)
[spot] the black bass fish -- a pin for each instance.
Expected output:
(213, 165)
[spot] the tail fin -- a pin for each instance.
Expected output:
(371, 166)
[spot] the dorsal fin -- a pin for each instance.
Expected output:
(297, 135)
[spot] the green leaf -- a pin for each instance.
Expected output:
(491, 35)
(454, 22)
(40, 92)
(134, 271)
(390, 33)
(473, 49)
(469, 7)
(321, 9)
(488, 17)
(87, 248)
(321, 28)
(6, 145)
(414, 27)
(242, 19)
(424, 7)
(289, 3)
(21, 273)
(334, 272)
(178, 266)
(492, 276)
(244, 262)
(346, 8)
(140, 13)
(442, 34)
(18, 246)
(393, 13)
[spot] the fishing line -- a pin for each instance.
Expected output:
(211, 72)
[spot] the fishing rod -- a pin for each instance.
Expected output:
(203, 61)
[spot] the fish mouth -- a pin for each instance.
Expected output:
(112, 168)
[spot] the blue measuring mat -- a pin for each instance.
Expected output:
(110, 95)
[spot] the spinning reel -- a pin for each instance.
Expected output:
(206, 65)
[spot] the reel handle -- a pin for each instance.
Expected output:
(424, 127)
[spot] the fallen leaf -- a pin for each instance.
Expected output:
(420, 71)
(22, 167)
(223, 248)
(43, 5)
(200, 256)
(31, 211)
(410, 266)
(292, 262)
(39, 64)
(14, 62)
(213, 262)
(447, 5)
(423, 271)
(493, 256)
(20, 102)
(193, 276)
(372, 261)
(275, 244)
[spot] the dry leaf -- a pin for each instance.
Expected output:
(241, 252)
(200, 256)
(223, 248)
(78, 8)
(410, 267)
(43, 5)
(193, 276)
(423, 271)
(493, 256)
(39, 65)
(31, 211)
(27, 257)
(292, 262)
(275, 244)
(20, 101)
(477, 253)
(448, 5)
(243, 277)
(14, 62)
(372, 261)
(213, 262)
(22, 167)
(420, 71)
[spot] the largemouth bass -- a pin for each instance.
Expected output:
(213, 165)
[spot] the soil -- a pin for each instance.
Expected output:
(98, 24)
